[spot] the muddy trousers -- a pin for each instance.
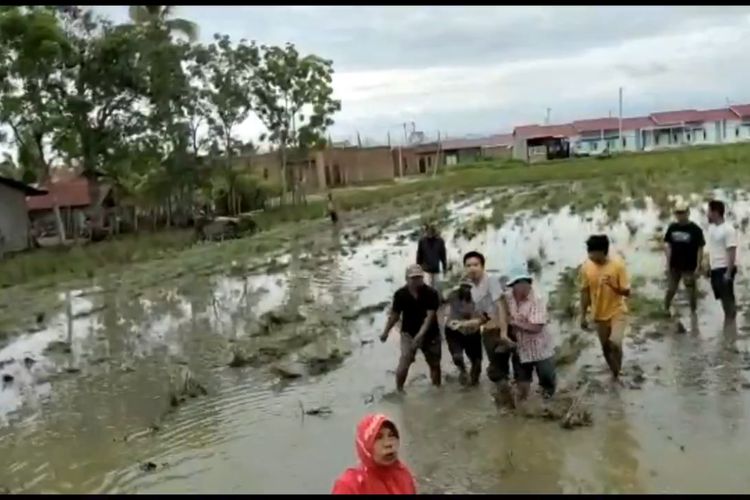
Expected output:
(500, 362)
(545, 372)
(673, 282)
(471, 345)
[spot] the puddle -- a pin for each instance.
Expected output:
(108, 427)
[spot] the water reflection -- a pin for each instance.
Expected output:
(96, 427)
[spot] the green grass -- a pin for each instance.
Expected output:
(583, 183)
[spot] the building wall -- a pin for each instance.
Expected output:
(498, 152)
(520, 149)
(595, 143)
(14, 220)
(358, 165)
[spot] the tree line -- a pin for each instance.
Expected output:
(151, 109)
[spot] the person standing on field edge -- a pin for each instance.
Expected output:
(416, 304)
(722, 256)
(684, 243)
(431, 255)
(331, 208)
(604, 287)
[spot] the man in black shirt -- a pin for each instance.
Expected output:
(431, 254)
(416, 304)
(684, 244)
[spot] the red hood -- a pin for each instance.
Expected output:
(367, 432)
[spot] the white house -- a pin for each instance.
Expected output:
(740, 125)
(600, 134)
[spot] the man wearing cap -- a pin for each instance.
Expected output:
(527, 316)
(462, 332)
(416, 305)
(684, 243)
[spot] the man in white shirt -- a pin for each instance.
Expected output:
(722, 256)
(499, 343)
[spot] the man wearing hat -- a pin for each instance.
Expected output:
(416, 305)
(684, 243)
(462, 332)
(527, 316)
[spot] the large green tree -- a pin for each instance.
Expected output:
(294, 100)
(161, 15)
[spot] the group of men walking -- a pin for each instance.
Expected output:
(507, 322)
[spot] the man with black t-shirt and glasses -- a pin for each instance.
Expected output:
(416, 304)
(684, 243)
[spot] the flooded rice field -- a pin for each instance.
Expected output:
(253, 381)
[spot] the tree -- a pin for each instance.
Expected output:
(159, 15)
(105, 84)
(294, 100)
(225, 73)
(33, 55)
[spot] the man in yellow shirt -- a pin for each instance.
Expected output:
(604, 287)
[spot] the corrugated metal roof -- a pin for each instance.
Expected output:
(676, 117)
(539, 131)
(72, 193)
(741, 110)
(20, 186)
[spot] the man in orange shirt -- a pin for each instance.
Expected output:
(604, 287)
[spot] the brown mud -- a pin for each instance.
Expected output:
(206, 375)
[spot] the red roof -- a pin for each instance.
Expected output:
(741, 110)
(539, 131)
(72, 193)
(714, 115)
(675, 117)
(637, 122)
(596, 124)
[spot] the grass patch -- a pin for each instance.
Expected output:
(582, 183)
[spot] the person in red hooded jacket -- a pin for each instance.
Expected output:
(380, 472)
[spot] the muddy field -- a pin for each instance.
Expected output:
(190, 376)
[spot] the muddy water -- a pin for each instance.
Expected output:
(97, 418)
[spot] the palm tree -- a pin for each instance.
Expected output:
(159, 14)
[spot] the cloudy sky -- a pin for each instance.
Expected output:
(481, 70)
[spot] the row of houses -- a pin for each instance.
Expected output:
(347, 165)
(668, 129)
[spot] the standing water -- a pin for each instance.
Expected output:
(88, 406)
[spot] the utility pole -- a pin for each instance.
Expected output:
(546, 119)
(620, 145)
(389, 138)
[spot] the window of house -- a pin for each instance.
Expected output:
(593, 145)
(737, 132)
(265, 173)
(689, 137)
(704, 134)
(624, 142)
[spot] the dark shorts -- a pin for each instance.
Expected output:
(431, 349)
(500, 363)
(722, 288)
(458, 344)
(545, 372)
(334, 217)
